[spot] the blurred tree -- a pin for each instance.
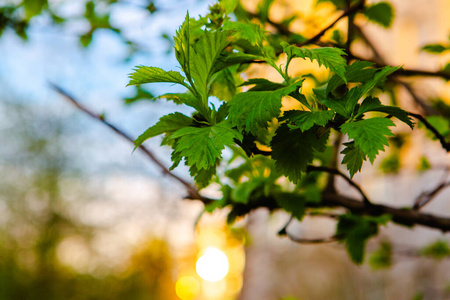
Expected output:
(37, 219)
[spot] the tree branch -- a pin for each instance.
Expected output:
(401, 216)
(440, 137)
(311, 168)
(192, 191)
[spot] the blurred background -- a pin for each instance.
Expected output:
(82, 217)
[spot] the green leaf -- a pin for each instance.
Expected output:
(144, 74)
(381, 13)
(223, 85)
(307, 119)
(228, 5)
(237, 173)
(435, 48)
(353, 158)
(262, 84)
(202, 146)
(140, 94)
(182, 46)
(250, 111)
(86, 39)
(293, 150)
(207, 51)
(346, 105)
(187, 99)
(203, 176)
(337, 37)
(374, 104)
(34, 7)
(369, 135)
(228, 59)
(263, 10)
(250, 32)
(166, 124)
(359, 71)
(243, 191)
(327, 56)
(357, 230)
(379, 77)
(292, 203)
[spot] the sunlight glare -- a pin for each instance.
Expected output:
(212, 265)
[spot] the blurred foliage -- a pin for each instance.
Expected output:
(382, 258)
(97, 13)
(357, 230)
(437, 250)
(424, 164)
(391, 164)
(36, 221)
(418, 296)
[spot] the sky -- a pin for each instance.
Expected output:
(96, 76)
(127, 189)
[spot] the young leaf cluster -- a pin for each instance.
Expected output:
(272, 147)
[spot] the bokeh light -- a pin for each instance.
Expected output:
(187, 288)
(212, 265)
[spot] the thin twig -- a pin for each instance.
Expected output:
(427, 109)
(296, 239)
(192, 191)
(283, 231)
(348, 12)
(311, 168)
(440, 137)
(426, 197)
(311, 241)
(323, 214)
